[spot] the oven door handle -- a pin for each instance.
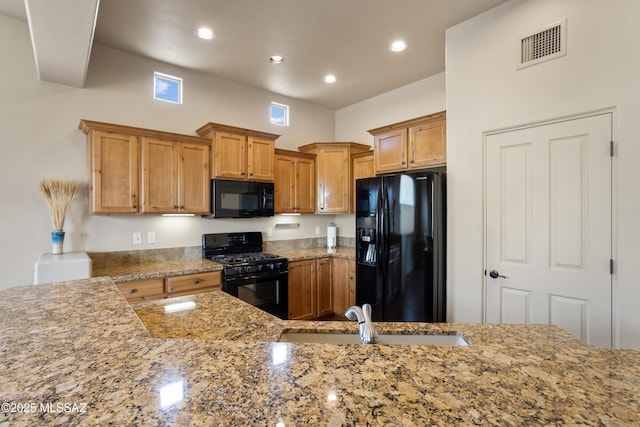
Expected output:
(260, 276)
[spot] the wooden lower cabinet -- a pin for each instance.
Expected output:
(154, 289)
(340, 283)
(320, 288)
(302, 290)
(325, 288)
(352, 282)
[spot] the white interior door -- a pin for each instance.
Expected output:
(548, 226)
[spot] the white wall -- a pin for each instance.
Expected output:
(485, 92)
(417, 99)
(39, 137)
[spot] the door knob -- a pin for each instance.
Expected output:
(494, 274)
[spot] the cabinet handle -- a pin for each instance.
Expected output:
(196, 281)
(134, 206)
(175, 207)
(133, 291)
(181, 206)
(251, 174)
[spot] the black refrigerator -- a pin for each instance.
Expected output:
(401, 246)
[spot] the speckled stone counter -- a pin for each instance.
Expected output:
(76, 353)
(154, 270)
(124, 268)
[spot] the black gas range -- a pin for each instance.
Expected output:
(255, 277)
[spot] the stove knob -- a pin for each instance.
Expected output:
(259, 267)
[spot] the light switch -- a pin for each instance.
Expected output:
(151, 237)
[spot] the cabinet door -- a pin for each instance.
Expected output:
(114, 173)
(391, 151)
(229, 156)
(333, 176)
(284, 185)
(260, 159)
(194, 178)
(340, 282)
(159, 176)
(305, 188)
(363, 167)
(302, 290)
(325, 288)
(352, 283)
(428, 144)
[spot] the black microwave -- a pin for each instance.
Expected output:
(240, 199)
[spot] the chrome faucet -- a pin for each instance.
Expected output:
(368, 332)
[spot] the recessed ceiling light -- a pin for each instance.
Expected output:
(206, 33)
(398, 46)
(276, 59)
(330, 78)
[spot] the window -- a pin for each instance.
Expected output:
(279, 114)
(167, 88)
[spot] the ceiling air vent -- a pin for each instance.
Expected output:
(549, 43)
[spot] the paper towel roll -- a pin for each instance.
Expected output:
(332, 240)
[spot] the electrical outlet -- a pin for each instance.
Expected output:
(137, 238)
(317, 229)
(151, 237)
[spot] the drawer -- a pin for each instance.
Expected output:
(143, 290)
(192, 283)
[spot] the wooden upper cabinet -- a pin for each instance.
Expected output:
(135, 170)
(159, 176)
(428, 144)
(113, 172)
(363, 166)
(175, 176)
(391, 151)
(333, 174)
(413, 144)
(229, 156)
(194, 177)
(294, 182)
(240, 154)
(260, 166)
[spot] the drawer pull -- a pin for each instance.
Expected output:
(133, 291)
(196, 281)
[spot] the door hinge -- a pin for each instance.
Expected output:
(611, 266)
(611, 148)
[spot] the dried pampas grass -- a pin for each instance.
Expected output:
(59, 194)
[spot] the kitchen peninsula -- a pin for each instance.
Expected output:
(81, 343)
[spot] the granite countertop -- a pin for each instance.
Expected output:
(76, 353)
(126, 270)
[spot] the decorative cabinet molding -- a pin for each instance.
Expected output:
(295, 178)
(333, 174)
(238, 153)
(413, 144)
(135, 170)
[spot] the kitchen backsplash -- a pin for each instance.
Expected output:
(148, 256)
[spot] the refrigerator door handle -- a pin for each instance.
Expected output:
(380, 228)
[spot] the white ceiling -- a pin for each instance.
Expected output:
(348, 38)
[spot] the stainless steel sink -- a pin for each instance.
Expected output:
(387, 339)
